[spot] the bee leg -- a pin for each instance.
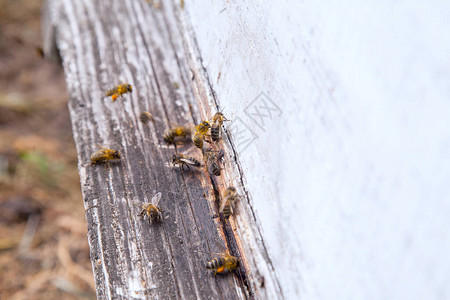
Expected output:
(185, 164)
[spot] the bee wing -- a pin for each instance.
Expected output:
(156, 118)
(103, 149)
(227, 197)
(188, 161)
(100, 146)
(222, 206)
(110, 92)
(156, 198)
(190, 126)
(138, 203)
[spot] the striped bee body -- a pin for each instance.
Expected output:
(168, 136)
(229, 197)
(216, 126)
(215, 132)
(153, 213)
(184, 160)
(212, 162)
(151, 209)
(197, 139)
(214, 168)
(227, 210)
(119, 91)
(216, 263)
(104, 155)
(146, 117)
(225, 263)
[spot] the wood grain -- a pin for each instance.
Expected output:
(102, 44)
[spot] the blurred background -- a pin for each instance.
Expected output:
(44, 252)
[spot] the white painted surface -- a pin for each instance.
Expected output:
(351, 184)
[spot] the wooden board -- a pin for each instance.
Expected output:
(102, 44)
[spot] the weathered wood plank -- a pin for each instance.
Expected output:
(243, 232)
(103, 43)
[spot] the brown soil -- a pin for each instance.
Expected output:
(44, 252)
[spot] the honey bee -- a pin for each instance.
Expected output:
(200, 133)
(151, 209)
(224, 263)
(219, 117)
(184, 160)
(119, 91)
(170, 134)
(203, 127)
(104, 155)
(214, 168)
(212, 162)
(229, 197)
(146, 117)
(216, 126)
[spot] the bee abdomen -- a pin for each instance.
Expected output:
(215, 131)
(97, 158)
(215, 263)
(227, 211)
(155, 216)
(145, 117)
(214, 169)
(197, 139)
(195, 162)
(168, 136)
